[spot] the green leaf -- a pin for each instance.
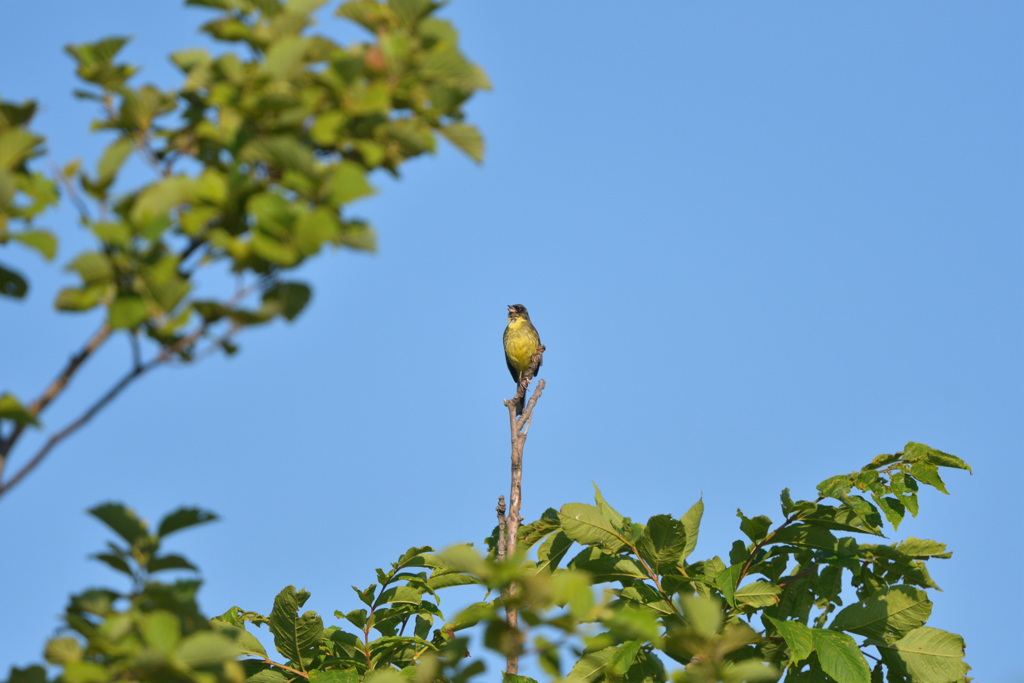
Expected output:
(797, 636)
(749, 671)
(85, 672)
(182, 518)
(158, 199)
(12, 284)
(662, 543)
(287, 298)
(886, 616)
(128, 311)
(282, 152)
(247, 642)
(347, 183)
(691, 524)
(926, 655)
(32, 674)
(892, 508)
(836, 487)
(703, 614)
(587, 526)
(357, 235)
(334, 676)
(926, 473)
(591, 666)
(552, 550)
(860, 515)
(11, 409)
(122, 520)
(913, 452)
(467, 138)
(624, 657)
(726, 582)
(758, 594)
(16, 145)
(513, 678)
(530, 534)
(92, 267)
(295, 637)
(165, 562)
(111, 161)
(63, 651)
(161, 631)
(806, 536)
(385, 676)
(116, 234)
(267, 676)
(273, 249)
(40, 240)
(71, 299)
(606, 510)
(285, 57)
(645, 595)
(166, 287)
(399, 594)
(314, 229)
(207, 648)
(839, 656)
(888, 558)
(605, 567)
(923, 549)
(755, 529)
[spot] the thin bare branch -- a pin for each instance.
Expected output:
(76, 199)
(166, 354)
(39, 405)
(136, 351)
(70, 429)
(519, 429)
(500, 509)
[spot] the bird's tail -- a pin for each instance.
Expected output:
(522, 399)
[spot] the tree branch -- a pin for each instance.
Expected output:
(764, 541)
(39, 405)
(71, 428)
(520, 428)
(500, 509)
(76, 199)
(165, 355)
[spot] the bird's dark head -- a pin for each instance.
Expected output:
(517, 311)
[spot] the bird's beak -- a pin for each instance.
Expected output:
(511, 309)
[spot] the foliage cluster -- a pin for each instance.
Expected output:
(771, 608)
(253, 162)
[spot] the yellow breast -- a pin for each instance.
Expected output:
(520, 343)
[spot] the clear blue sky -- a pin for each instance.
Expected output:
(762, 242)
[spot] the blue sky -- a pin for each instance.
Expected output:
(763, 243)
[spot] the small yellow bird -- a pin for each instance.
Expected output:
(521, 341)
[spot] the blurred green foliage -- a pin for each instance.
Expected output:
(241, 174)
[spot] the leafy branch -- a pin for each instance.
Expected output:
(275, 148)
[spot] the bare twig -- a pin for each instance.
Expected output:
(520, 428)
(286, 668)
(136, 351)
(39, 405)
(71, 428)
(165, 355)
(500, 509)
(73, 195)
